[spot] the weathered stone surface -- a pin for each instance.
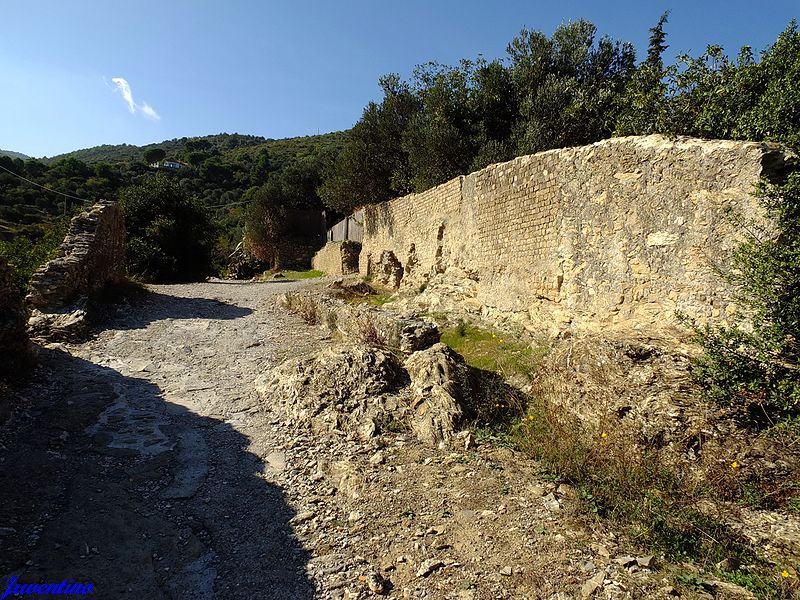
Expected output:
(350, 389)
(337, 258)
(66, 323)
(364, 323)
(366, 390)
(91, 257)
(621, 233)
(435, 393)
(388, 270)
(14, 345)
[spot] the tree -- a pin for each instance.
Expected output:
(265, 224)
(154, 155)
(770, 93)
(495, 109)
(656, 46)
(643, 105)
(373, 166)
(440, 139)
(568, 86)
(170, 237)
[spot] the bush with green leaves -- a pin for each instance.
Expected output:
(169, 235)
(756, 361)
(25, 255)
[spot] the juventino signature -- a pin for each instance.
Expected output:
(65, 587)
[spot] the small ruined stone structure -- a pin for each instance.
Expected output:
(91, 256)
(14, 344)
(337, 258)
(622, 232)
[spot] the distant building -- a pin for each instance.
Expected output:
(173, 165)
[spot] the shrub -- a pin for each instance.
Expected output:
(756, 360)
(170, 237)
(25, 255)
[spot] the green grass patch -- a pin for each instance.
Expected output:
(298, 275)
(491, 351)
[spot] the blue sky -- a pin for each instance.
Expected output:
(281, 68)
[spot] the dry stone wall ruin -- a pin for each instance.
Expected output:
(91, 257)
(623, 232)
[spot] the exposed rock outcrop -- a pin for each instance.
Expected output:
(366, 391)
(346, 389)
(362, 323)
(435, 393)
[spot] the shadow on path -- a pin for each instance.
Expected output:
(104, 482)
(149, 306)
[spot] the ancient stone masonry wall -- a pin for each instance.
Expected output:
(92, 255)
(412, 230)
(621, 232)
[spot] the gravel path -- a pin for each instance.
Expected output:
(130, 466)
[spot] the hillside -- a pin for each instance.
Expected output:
(12, 154)
(245, 145)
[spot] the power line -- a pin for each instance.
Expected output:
(43, 186)
(227, 205)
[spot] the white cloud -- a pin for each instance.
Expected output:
(150, 112)
(124, 88)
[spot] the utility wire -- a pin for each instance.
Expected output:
(227, 205)
(43, 186)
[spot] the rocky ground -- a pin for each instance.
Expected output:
(144, 462)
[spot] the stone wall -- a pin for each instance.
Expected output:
(337, 258)
(91, 256)
(14, 345)
(622, 232)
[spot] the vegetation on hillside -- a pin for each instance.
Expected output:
(218, 172)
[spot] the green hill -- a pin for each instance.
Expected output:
(241, 146)
(218, 170)
(12, 154)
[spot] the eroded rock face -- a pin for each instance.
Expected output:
(351, 389)
(366, 390)
(364, 324)
(14, 345)
(388, 270)
(435, 394)
(91, 257)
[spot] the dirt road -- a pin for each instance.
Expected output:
(129, 467)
